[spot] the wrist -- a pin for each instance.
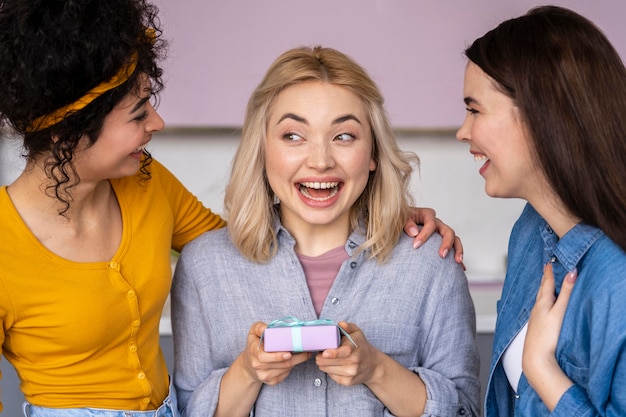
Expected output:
(379, 369)
(549, 381)
(245, 374)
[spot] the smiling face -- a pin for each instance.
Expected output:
(126, 130)
(497, 139)
(318, 155)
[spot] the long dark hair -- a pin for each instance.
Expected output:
(570, 86)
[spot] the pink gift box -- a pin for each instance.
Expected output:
(312, 338)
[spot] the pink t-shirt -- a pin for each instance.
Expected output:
(320, 272)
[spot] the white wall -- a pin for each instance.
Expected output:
(448, 182)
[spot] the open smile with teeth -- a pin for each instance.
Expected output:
(319, 191)
(479, 157)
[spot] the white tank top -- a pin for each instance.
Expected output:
(512, 358)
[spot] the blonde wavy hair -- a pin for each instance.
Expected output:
(385, 203)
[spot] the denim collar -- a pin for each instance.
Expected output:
(566, 253)
(569, 250)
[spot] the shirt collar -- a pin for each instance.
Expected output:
(356, 238)
(573, 245)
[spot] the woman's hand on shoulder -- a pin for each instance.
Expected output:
(427, 217)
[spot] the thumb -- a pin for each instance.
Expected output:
(257, 329)
(348, 327)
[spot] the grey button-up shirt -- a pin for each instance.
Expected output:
(416, 308)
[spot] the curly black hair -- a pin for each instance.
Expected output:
(52, 52)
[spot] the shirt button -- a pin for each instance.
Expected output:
(335, 301)
(553, 259)
(133, 348)
(317, 382)
(113, 265)
(352, 245)
(136, 323)
(131, 294)
(352, 265)
(146, 400)
(141, 375)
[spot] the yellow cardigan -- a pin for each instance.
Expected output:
(87, 334)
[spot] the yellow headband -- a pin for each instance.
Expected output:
(56, 116)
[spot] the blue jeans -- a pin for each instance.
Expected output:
(169, 408)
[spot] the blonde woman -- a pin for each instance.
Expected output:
(316, 201)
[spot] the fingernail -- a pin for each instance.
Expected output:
(417, 244)
(445, 253)
(413, 231)
(572, 275)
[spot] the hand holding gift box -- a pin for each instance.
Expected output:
(292, 335)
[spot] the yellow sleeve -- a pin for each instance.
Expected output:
(191, 217)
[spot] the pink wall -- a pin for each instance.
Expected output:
(220, 49)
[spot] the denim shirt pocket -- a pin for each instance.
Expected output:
(579, 375)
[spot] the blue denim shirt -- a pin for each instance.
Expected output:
(592, 344)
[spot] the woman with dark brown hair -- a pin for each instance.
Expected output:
(546, 100)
